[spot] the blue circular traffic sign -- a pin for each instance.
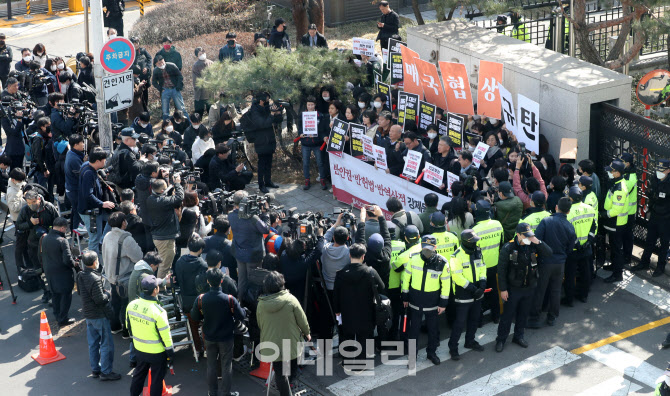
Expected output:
(117, 55)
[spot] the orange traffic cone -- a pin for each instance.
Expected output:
(263, 371)
(167, 390)
(48, 353)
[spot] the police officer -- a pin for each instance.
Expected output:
(615, 213)
(578, 265)
(491, 236)
(590, 197)
(663, 387)
(630, 176)
(148, 324)
(404, 251)
(536, 212)
(425, 289)
(659, 216)
(517, 275)
(447, 242)
(468, 273)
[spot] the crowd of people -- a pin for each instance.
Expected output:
(170, 208)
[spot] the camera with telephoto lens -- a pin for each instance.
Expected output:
(469, 178)
(348, 218)
(251, 206)
(217, 202)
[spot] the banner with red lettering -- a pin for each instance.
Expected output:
(488, 94)
(430, 83)
(358, 183)
(411, 81)
(457, 88)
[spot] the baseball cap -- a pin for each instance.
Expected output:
(468, 235)
(129, 132)
(312, 26)
(538, 198)
(506, 188)
(149, 283)
(481, 206)
(626, 157)
(586, 181)
(437, 218)
(525, 229)
(428, 241)
(411, 232)
(615, 166)
(663, 165)
(575, 193)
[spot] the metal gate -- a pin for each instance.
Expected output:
(36, 7)
(615, 131)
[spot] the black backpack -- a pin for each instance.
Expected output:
(383, 312)
(29, 279)
(114, 169)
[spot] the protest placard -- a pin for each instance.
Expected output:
(426, 115)
(456, 126)
(412, 163)
(433, 174)
(310, 123)
(479, 154)
(336, 138)
(363, 46)
(367, 146)
(451, 178)
(411, 110)
(380, 157)
(357, 132)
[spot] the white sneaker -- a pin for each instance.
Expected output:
(81, 229)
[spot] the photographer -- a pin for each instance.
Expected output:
(224, 172)
(11, 91)
(191, 133)
(168, 146)
(125, 164)
(35, 219)
(15, 202)
(248, 247)
(378, 255)
(219, 242)
(90, 202)
(13, 127)
(24, 64)
(38, 80)
(295, 262)
(258, 125)
(64, 119)
(42, 154)
(70, 88)
(58, 265)
(74, 159)
(162, 215)
(187, 269)
(6, 57)
(142, 192)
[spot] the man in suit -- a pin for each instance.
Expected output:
(313, 38)
(58, 265)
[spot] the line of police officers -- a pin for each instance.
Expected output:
(432, 270)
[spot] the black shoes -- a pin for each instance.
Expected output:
(665, 344)
(454, 355)
(658, 272)
(95, 374)
(132, 364)
(45, 297)
(272, 185)
(613, 278)
(639, 267)
(66, 322)
(582, 299)
(550, 321)
(520, 342)
(500, 346)
(474, 345)
(125, 335)
(566, 302)
(112, 376)
(264, 190)
(434, 359)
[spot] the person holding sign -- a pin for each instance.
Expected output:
(444, 158)
(412, 142)
(394, 149)
(311, 132)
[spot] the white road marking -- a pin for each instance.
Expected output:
(615, 386)
(516, 374)
(384, 374)
(626, 364)
(641, 288)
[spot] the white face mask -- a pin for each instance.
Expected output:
(660, 175)
(112, 36)
(27, 58)
(53, 68)
(525, 241)
(135, 149)
(501, 142)
(162, 66)
(143, 125)
(169, 128)
(38, 53)
(326, 98)
(61, 66)
(202, 56)
(432, 135)
(361, 105)
(610, 175)
(378, 105)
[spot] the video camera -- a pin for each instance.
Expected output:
(348, 218)
(469, 178)
(253, 205)
(217, 202)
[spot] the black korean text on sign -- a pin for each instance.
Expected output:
(336, 138)
(396, 68)
(386, 90)
(456, 125)
(411, 110)
(426, 115)
(357, 131)
(402, 103)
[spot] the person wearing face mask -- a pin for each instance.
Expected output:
(630, 176)
(223, 129)
(517, 277)
(142, 124)
(169, 53)
(431, 140)
(111, 34)
(164, 220)
(312, 144)
(468, 274)
(125, 163)
(326, 96)
(657, 226)
(425, 291)
(40, 54)
(578, 266)
(203, 143)
(168, 131)
(279, 38)
(232, 50)
(42, 156)
(113, 16)
(379, 103)
(615, 217)
(201, 96)
(85, 72)
(169, 82)
(217, 109)
(192, 132)
(70, 88)
(6, 58)
(24, 64)
(143, 62)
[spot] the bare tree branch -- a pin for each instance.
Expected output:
(605, 24)
(624, 59)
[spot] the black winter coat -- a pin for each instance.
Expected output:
(257, 124)
(129, 165)
(6, 58)
(379, 261)
(174, 74)
(224, 245)
(218, 320)
(295, 271)
(186, 269)
(522, 273)
(47, 214)
(161, 215)
(142, 192)
(320, 40)
(94, 298)
(58, 262)
(221, 171)
(136, 228)
(187, 225)
(353, 297)
(391, 23)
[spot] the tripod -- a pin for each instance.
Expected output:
(2, 258)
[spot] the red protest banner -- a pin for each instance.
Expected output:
(431, 84)
(488, 94)
(411, 81)
(457, 88)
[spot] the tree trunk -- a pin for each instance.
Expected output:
(417, 12)
(623, 37)
(316, 11)
(624, 59)
(300, 19)
(440, 10)
(588, 50)
(451, 13)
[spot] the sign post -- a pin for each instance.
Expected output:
(118, 91)
(97, 43)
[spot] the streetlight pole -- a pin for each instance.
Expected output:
(97, 37)
(86, 27)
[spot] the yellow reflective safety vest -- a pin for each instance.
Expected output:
(492, 238)
(447, 243)
(591, 199)
(148, 324)
(399, 265)
(397, 248)
(616, 203)
(585, 219)
(535, 218)
(466, 270)
(631, 183)
(425, 285)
